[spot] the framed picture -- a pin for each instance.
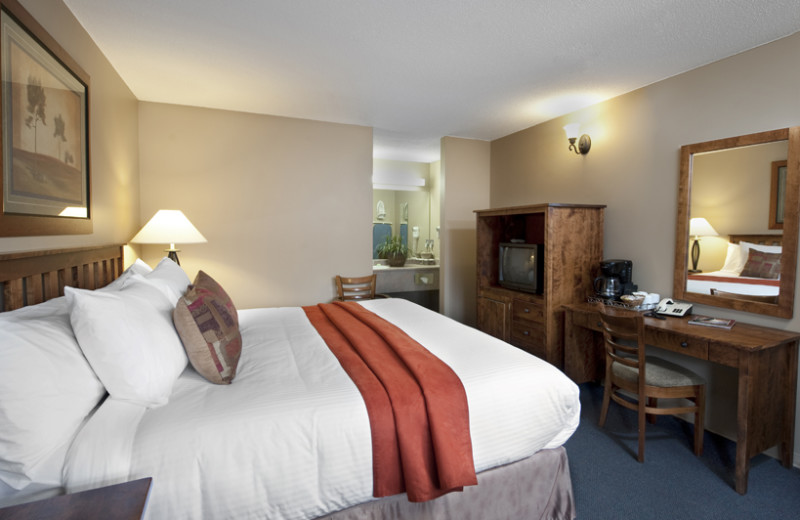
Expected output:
(777, 194)
(44, 126)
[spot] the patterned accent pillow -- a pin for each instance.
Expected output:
(207, 322)
(762, 265)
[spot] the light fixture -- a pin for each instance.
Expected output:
(584, 143)
(169, 226)
(698, 227)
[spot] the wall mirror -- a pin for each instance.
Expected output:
(736, 257)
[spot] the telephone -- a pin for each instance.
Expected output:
(669, 307)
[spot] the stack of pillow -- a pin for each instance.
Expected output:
(753, 260)
(131, 339)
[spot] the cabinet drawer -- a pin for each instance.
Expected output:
(694, 347)
(529, 336)
(529, 311)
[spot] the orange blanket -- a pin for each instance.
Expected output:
(416, 404)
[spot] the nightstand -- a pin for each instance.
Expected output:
(126, 501)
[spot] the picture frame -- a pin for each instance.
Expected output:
(777, 194)
(44, 129)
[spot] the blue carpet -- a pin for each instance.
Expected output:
(672, 483)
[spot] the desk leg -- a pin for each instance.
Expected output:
(766, 409)
(583, 354)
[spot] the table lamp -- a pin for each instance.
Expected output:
(169, 226)
(698, 227)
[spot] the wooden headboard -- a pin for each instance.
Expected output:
(767, 240)
(33, 277)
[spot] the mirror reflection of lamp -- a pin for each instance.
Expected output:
(169, 226)
(699, 227)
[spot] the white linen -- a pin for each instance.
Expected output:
(290, 437)
(733, 286)
(129, 339)
(46, 391)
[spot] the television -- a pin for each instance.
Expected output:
(522, 266)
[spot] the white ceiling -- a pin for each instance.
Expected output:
(417, 70)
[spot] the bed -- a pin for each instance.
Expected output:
(751, 270)
(288, 438)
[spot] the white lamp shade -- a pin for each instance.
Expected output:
(699, 227)
(572, 130)
(169, 226)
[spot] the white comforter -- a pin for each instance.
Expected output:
(290, 438)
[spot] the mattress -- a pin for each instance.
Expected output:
(290, 438)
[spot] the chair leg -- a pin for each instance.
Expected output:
(607, 389)
(699, 420)
(642, 425)
(653, 403)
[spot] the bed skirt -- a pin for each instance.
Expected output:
(536, 488)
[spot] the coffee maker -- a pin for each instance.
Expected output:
(615, 279)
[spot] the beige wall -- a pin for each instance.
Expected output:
(464, 188)
(284, 203)
(633, 168)
(113, 138)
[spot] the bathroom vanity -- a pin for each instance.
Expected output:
(415, 282)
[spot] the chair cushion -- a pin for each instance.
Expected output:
(659, 372)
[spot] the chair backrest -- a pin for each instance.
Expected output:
(623, 334)
(355, 288)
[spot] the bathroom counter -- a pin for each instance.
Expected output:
(416, 282)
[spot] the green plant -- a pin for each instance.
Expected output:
(392, 246)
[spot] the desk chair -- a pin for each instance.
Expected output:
(647, 378)
(356, 288)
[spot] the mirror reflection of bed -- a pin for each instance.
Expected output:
(747, 273)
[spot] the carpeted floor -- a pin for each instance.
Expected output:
(672, 483)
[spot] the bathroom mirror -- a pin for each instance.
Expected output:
(724, 182)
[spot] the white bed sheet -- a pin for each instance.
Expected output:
(754, 289)
(290, 437)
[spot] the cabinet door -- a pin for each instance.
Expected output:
(493, 317)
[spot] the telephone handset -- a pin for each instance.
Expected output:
(668, 307)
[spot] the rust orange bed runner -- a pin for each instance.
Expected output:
(416, 404)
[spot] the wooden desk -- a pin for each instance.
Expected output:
(765, 358)
(126, 501)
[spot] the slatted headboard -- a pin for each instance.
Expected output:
(32, 277)
(766, 239)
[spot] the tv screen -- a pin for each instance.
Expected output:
(522, 266)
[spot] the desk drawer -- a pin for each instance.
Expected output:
(668, 340)
(587, 320)
(528, 311)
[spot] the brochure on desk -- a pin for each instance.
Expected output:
(709, 321)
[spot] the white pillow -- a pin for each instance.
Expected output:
(734, 259)
(137, 267)
(47, 389)
(759, 247)
(170, 278)
(129, 339)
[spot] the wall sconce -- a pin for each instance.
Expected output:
(169, 226)
(698, 227)
(584, 143)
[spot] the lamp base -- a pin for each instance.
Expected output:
(172, 254)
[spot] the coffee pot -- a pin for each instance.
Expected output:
(615, 279)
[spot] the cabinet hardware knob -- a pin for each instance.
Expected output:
(684, 344)
(527, 310)
(526, 333)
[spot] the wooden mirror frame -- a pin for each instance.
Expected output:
(791, 223)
